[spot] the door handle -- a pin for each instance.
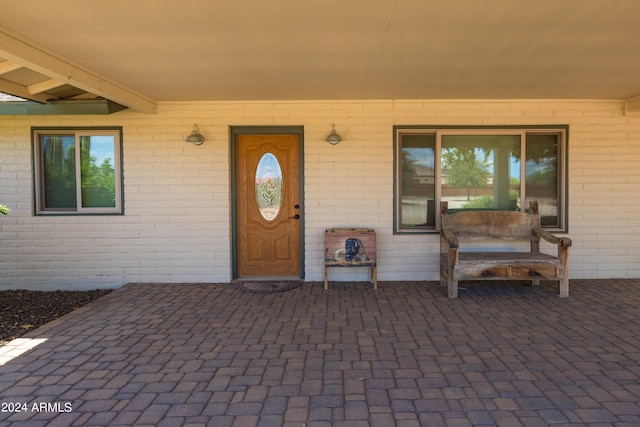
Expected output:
(296, 216)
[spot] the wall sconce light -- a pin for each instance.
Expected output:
(333, 137)
(195, 138)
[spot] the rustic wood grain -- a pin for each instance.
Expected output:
(484, 264)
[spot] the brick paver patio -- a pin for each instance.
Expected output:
(404, 355)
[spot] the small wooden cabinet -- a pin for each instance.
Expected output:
(350, 247)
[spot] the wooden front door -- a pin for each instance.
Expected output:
(268, 205)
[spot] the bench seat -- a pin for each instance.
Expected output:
(506, 265)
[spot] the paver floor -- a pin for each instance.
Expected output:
(404, 355)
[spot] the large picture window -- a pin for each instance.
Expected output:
(478, 168)
(78, 171)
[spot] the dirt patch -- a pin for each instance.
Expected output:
(22, 311)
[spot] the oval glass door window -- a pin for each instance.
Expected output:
(269, 186)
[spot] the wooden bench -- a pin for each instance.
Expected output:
(483, 262)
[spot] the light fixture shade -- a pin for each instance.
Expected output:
(333, 137)
(195, 138)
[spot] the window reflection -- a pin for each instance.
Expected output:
(542, 182)
(481, 171)
(418, 181)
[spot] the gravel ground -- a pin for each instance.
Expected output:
(22, 311)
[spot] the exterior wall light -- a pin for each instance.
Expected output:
(333, 137)
(195, 138)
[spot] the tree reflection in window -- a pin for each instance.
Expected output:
(61, 176)
(97, 173)
(59, 170)
(501, 168)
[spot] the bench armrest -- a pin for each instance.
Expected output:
(449, 237)
(551, 238)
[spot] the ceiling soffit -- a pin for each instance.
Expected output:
(204, 50)
(31, 72)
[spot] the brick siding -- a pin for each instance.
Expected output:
(177, 196)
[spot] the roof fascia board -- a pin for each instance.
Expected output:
(28, 54)
(93, 106)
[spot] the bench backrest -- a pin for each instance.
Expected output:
(507, 225)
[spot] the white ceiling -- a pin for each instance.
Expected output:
(140, 52)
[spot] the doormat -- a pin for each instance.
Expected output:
(267, 287)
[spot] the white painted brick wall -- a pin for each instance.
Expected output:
(177, 222)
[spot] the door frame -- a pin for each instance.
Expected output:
(234, 131)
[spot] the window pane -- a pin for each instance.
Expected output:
(97, 159)
(59, 172)
(418, 180)
(542, 176)
(481, 171)
(268, 184)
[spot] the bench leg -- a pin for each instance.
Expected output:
(444, 267)
(326, 277)
(564, 287)
(452, 281)
(374, 276)
(453, 288)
